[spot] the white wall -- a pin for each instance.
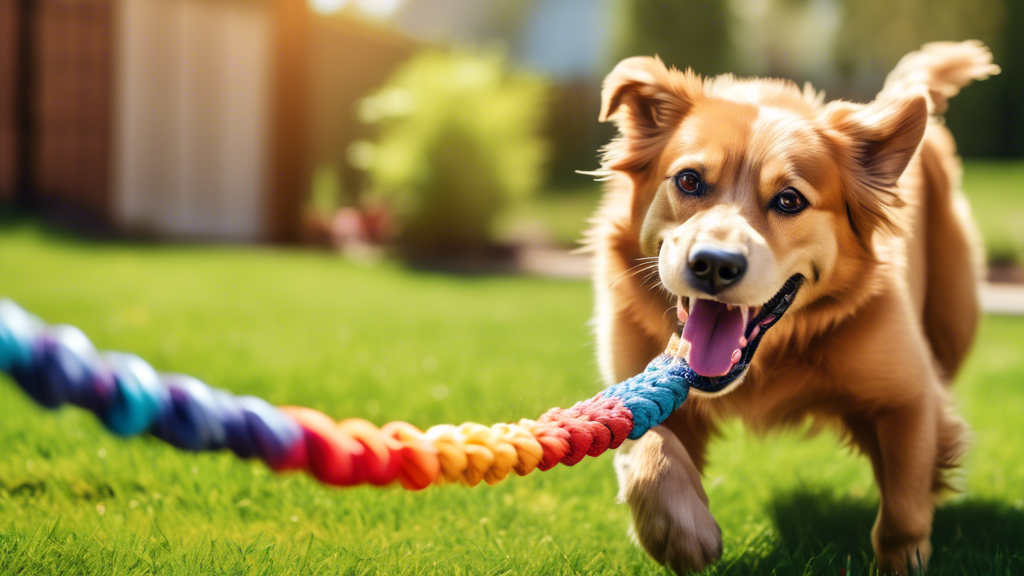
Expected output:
(191, 111)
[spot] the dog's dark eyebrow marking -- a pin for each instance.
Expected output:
(817, 272)
(849, 216)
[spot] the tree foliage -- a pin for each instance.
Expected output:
(685, 33)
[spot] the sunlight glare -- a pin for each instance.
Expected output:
(327, 6)
(379, 8)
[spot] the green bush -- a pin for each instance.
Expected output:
(457, 140)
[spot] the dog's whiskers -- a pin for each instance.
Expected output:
(599, 175)
(650, 275)
(647, 278)
(642, 266)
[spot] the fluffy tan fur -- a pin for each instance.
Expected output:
(886, 314)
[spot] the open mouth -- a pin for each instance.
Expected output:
(723, 338)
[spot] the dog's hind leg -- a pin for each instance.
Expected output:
(901, 534)
(912, 450)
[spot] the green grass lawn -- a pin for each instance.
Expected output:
(389, 344)
(996, 191)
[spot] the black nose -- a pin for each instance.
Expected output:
(713, 270)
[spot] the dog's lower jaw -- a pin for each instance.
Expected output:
(734, 385)
(671, 518)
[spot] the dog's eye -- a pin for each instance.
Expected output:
(689, 183)
(789, 201)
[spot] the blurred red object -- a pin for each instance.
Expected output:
(349, 229)
(367, 225)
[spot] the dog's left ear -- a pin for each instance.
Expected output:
(647, 101)
(879, 140)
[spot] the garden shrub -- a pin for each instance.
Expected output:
(457, 139)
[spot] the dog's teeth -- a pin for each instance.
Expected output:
(736, 355)
(743, 342)
(757, 330)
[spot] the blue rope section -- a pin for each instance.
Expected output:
(58, 365)
(653, 394)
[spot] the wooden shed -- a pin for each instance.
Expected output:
(195, 119)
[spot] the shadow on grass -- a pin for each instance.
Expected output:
(67, 229)
(821, 534)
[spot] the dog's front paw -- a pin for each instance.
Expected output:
(685, 538)
(671, 519)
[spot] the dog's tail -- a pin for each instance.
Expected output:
(943, 68)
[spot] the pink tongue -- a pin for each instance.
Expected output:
(713, 332)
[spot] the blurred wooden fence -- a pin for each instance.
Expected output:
(181, 118)
(54, 134)
(9, 23)
(71, 137)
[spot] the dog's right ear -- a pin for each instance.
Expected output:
(646, 101)
(876, 141)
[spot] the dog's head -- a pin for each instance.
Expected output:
(754, 197)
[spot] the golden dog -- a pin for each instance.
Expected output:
(831, 239)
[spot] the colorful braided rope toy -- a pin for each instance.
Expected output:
(58, 364)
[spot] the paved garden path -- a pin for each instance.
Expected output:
(1003, 298)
